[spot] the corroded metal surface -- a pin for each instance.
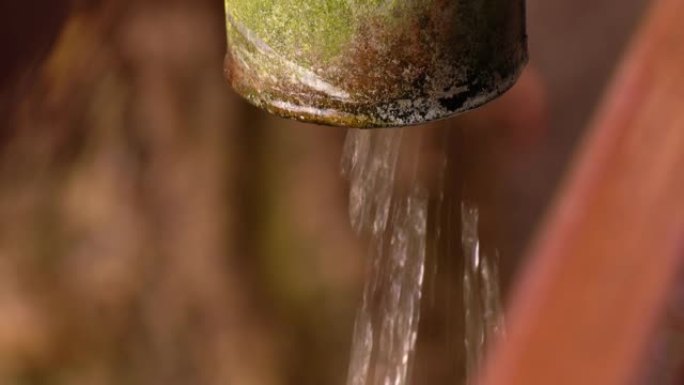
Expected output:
(373, 63)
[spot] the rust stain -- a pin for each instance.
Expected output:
(402, 65)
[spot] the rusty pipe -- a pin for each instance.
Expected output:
(373, 63)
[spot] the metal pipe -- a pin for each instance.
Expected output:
(373, 63)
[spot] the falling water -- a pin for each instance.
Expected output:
(394, 215)
(481, 293)
(387, 321)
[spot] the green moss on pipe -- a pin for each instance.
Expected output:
(373, 63)
(315, 29)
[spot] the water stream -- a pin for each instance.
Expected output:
(387, 322)
(481, 292)
(388, 203)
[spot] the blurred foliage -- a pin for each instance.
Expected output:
(156, 230)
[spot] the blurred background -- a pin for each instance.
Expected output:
(156, 229)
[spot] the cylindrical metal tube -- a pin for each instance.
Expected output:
(373, 63)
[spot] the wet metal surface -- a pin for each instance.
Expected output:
(373, 63)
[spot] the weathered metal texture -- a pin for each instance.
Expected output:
(373, 63)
